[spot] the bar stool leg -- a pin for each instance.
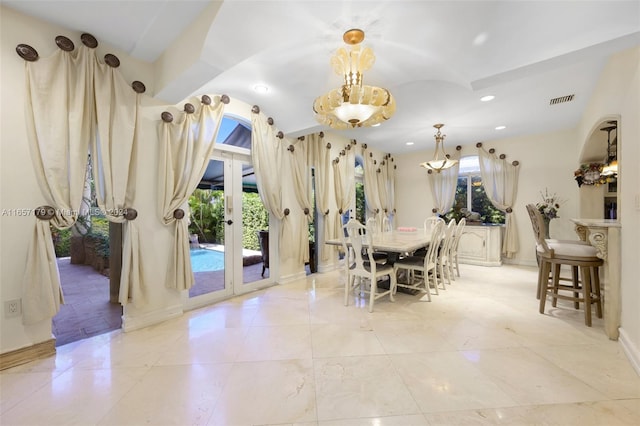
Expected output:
(576, 285)
(586, 294)
(545, 267)
(595, 287)
(556, 283)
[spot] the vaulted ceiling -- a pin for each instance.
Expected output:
(438, 58)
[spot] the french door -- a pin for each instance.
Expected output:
(229, 260)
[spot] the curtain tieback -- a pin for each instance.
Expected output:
(178, 213)
(45, 212)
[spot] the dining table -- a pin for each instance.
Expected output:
(396, 242)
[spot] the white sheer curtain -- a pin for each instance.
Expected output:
(344, 185)
(300, 169)
(371, 192)
(443, 186)
(321, 161)
(267, 154)
(114, 159)
(186, 147)
(500, 181)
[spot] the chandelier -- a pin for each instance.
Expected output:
(440, 160)
(354, 104)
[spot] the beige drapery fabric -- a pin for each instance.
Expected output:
(387, 187)
(443, 186)
(186, 147)
(299, 163)
(114, 158)
(500, 181)
(267, 154)
(344, 185)
(391, 190)
(321, 161)
(59, 116)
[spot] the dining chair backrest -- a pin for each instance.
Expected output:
(431, 221)
(356, 234)
(460, 227)
(372, 226)
(386, 224)
(431, 256)
(449, 234)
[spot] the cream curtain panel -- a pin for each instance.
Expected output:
(114, 158)
(443, 186)
(186, 147)
(300, 170)
(343, 185)
(75, 101)
(321, 161)
(387, 186)
(500, 181)
(267, 154)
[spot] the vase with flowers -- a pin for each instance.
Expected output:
(548, 208)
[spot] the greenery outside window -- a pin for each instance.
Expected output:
(470, 194)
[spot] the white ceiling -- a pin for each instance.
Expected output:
(436, 57)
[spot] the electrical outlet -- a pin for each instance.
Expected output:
(12, 308)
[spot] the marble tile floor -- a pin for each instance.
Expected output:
(479, 353)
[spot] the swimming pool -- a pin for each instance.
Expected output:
(203, 260)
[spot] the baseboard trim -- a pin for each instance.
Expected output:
(630, 350)
(27, 354)
(151, 318)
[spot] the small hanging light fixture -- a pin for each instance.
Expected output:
(611, 167)
(440, 159)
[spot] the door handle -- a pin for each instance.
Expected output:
(229, 222)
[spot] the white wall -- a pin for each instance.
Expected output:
(547, 161)
(618, 93)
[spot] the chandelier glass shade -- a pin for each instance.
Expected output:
(441, 160)
(354, 104)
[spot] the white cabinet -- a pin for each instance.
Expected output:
(481, 245)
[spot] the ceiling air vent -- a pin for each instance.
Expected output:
(561, 99)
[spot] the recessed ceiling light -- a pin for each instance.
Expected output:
(260, 88)
(501, 127)
(487, 98)
(409, 143)
(376, 125)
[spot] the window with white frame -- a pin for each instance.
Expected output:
(470, 194)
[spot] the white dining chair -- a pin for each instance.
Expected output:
(454, 248)
(444, 254)
(421, 268)
(430, 221)
(360, 271)
(373, 229)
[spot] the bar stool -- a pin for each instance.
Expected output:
(552, 256)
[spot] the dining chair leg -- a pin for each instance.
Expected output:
(457, 266)
(372, 293)
(434, 275)
(576, 285)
